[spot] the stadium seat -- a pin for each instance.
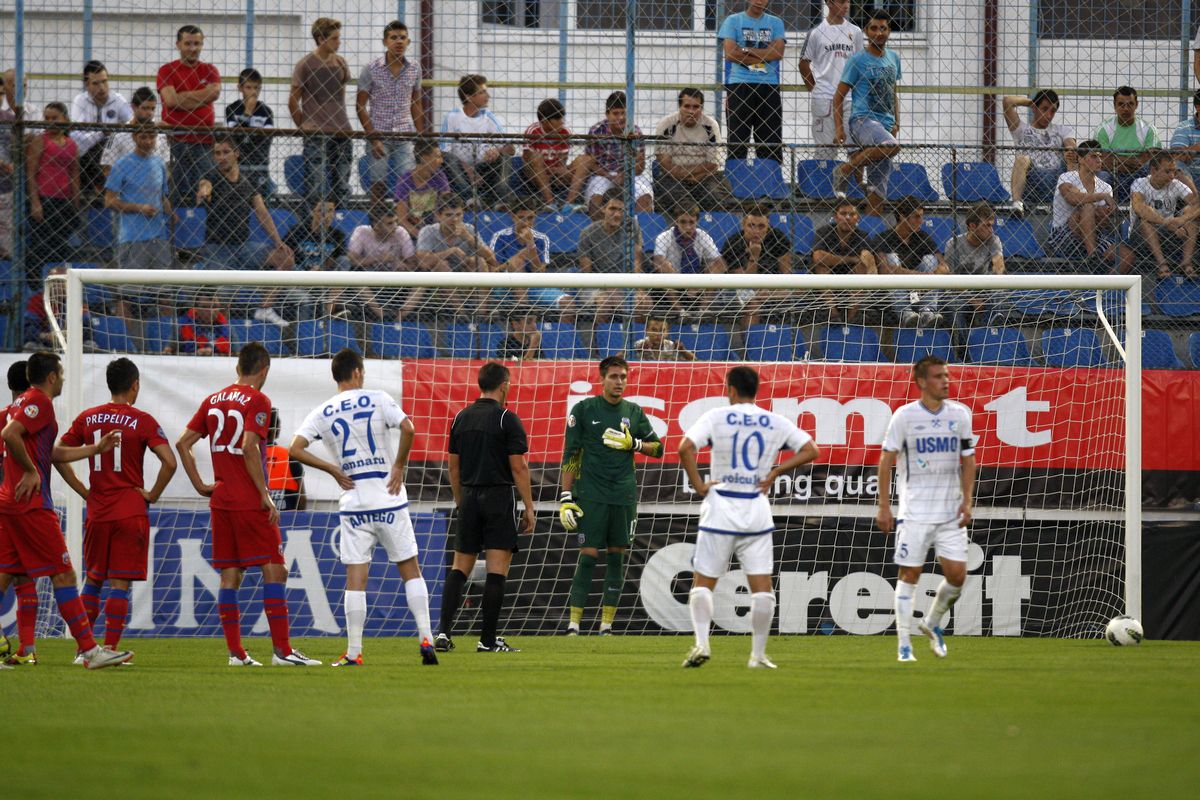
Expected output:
(189, 231)
(910, 180)
(1113, 304)
(1018, 238)
(708, 341)
(998, 346)
(972, 181)
(720, 225)
(345, 221)
(244, 331)
(848, 343)
(759, 178)
(101, 232)
(110, 333)
(652, 224)
(459, 339)
(1158, 351)
(801, 352)
(1194, 349)
(310, 338)
(770, 342)
(563, 230)
(8, 281)
(1178, 297)
(942, 229)
(488, 337)
(561, 340)
(610, 338)
(487, 223)
(872, 226)
(912, 344)
(1071, 347)
(284, 221)
(401, 340)
(293, 174)
(1044, 303)
(364, 172)
(814, 178)
(799, 229)
(342, 335)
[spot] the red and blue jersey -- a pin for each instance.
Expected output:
(35, 412)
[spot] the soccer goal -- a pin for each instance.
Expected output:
(1049, 365)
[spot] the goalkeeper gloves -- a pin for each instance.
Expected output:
(568, 512)
(621, 439)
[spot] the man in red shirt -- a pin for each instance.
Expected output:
(547, 158)
(31, 539)
(116, 542)
(25, 589)
(189, 88)
(245, 521)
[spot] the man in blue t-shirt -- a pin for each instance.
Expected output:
(137, 190)
(871, 77)
(753, 42)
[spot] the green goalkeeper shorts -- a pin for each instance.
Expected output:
(605, 525)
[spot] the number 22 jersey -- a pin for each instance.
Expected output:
(224, 418)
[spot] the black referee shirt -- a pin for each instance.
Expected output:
(483, 436)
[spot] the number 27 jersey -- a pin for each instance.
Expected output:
(224, 418)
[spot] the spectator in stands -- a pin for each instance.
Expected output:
(250, 113)
(52, 172)
(231, 198)
(976, 252)
(605, 247)
(7, 115)
(317, 246)
(548, 167)
(521, 248)
(825, 52)
(608, 159)
(753, 43)
(137, 190)
(685, 249)
(1128, 143)
(689, 160)
(285, 475)
(452, 245)
(870, 77)
(317, 103)
(204, 328)
(478, 170)
(95, 104)
(1083, 216)
(657, 345)
(524, 340)
(1035, 173)
(1162, 217)
(145, 105)
(389, 101)
(385, 246)
(840, 248)
(188, 88)
(758, 249)
(418, 190)
(1185, 142)
(906, 249)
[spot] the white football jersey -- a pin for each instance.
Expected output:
(929, 450)
(746, 441)
(356, 428)
(827, 47)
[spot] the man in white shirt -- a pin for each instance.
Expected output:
(1035, 173)
(1162, 217)
(95, 104)
(478, 170)
(690, 157)
(825, 52)
(1083, 214)
(145, 106)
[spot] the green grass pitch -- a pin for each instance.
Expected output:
(614, 718)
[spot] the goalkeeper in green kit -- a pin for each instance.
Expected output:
(603, 433)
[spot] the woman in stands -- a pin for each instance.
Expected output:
(52, 164)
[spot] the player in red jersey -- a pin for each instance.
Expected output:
(116, 543)
(245, 520)
(23, 587)
(31, 539)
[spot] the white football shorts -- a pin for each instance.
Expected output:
(391, 528)
(755, 554)
(913, 540)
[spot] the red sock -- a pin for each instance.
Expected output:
(116, 609)
(71, 608)
(91, 602)
(277, 616)
(27, 610)
(231, 621)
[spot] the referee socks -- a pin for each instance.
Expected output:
(452, 592)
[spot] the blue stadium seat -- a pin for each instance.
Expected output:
(814, 178)
(760, 178)
(8, 282)
(637, 330)
(972, 181)
(848, 343)
(488, 337)
(770, 342)
(561, 340)
(487, 223)
(563, 230)
(941, 229)
(244, 331)
(284, 221)
(610, 338)
(1113, 304)
(799, 229)
(342, 335)
(311, 340)
(403, 339)
(872, 226)
(652, 224)
(1044, 303)
(345, 221)
(1071, 347)
(110, 333)
(293, 173)
(1018, 238)
(1158, 351)
(708, 341)
(999, 346)
(1194, 349)
(459, 339)
(101, 232)
(801, 351)
(912, 344)
(364, 172)
(910, 180)
(720, 225)
(1178, 297)
(189, 232)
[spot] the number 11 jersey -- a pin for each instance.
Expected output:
(224, 418)
(115, 476)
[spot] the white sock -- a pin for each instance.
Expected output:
(946, 597)
(700, 604)
(418, 603)
(762, 612)
(355, 605)
(904, 609)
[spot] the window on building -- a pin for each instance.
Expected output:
(1109, 19)
(521, 13)
(652, 15)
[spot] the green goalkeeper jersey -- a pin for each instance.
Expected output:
(604, 475)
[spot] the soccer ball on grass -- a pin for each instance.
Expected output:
(1124, 631)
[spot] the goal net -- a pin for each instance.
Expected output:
(1049, 365)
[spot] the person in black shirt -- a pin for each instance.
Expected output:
(907, 249)
(759, 249)
(487, 459)
(524, 340)
(250, 112)
(840, 248)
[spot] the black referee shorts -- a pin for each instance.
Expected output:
(487, 519)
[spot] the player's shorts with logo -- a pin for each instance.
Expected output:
(32, 543)
(734, 522)
(245, 538)
(913, 540)
(487, 519)
(606, 524)
(117, 548)
(391, 528)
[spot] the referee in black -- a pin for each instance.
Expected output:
(487, 459)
